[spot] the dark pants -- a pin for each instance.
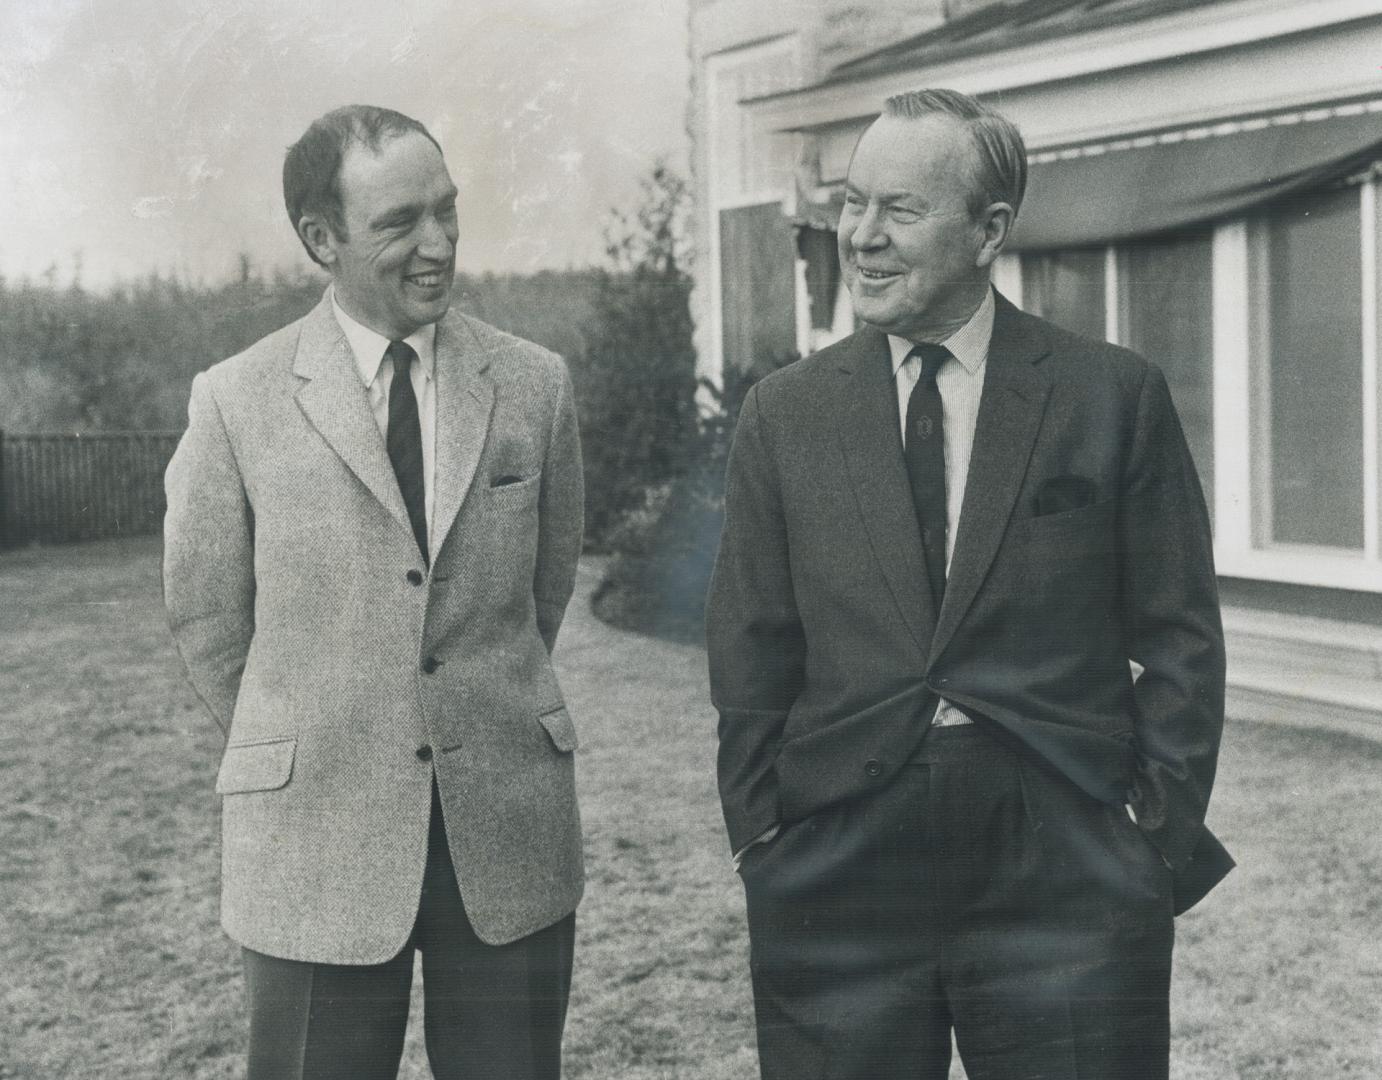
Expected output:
(981, 892)
(492, 1012)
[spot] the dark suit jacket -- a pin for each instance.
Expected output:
(1083, 543)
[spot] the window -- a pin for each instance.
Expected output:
(1267, 329)
(1308, 442)
(1067, 287)
(748, 168)
(1162, 291)
(758, 298)
(1165, 296)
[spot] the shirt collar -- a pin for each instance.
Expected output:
(969, 344)
(368, 347)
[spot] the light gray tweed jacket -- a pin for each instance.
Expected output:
(287, 567)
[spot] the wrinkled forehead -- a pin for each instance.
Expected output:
(897, 154)
(403, 168)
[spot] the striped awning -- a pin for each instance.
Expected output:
(1101, 192)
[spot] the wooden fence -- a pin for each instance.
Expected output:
(55, 488)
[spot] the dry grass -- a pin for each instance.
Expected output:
(115, 965)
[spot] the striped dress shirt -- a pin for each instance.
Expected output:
(960, 382)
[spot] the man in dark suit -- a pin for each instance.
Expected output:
(373, 526)
(948, 539)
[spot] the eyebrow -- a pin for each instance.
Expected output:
(887, 197)
(407, 210)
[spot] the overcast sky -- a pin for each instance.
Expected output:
(149, 134)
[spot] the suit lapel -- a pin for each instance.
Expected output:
(871, 439)
(465, 399)
(335, 402)
(1010, 412)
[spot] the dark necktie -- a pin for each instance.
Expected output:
(405, 441)
(925, 454)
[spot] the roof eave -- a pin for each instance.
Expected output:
(1089, 52)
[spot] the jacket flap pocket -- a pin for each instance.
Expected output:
(560, 728)
(256, 766)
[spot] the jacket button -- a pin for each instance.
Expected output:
(430, 665)
(424, 753)
(414, 577)
(872, 767)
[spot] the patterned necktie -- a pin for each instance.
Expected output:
(925, 454)
(405, 441)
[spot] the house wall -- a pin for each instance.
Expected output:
(748, 48)
(1327, 64)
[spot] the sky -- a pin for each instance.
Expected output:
(148, 135)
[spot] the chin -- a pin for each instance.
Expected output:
(431, 311)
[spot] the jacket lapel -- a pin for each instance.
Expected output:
(335, 402)
(465, 399)
(871, 439)
(1010, 412)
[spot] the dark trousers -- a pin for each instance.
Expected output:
(491, 1012)
(981, 892)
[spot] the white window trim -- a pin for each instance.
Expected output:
(712, 366)
(1113, 306)
(1241, 401)
(803, 306)
(1372, 492)
(1240, 549)
(1232, 381)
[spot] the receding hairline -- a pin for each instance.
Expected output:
(997, 151)
(312, 165)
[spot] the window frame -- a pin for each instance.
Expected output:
(784, 57)
(1240, 387)
(1241, 463)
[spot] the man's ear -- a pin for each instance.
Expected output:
(319, 238)
(997, 222)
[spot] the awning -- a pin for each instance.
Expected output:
(1097, 193)
(1139, 186)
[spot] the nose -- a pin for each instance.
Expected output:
(438, 240)
(867, 234)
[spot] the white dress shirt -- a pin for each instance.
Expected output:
(376, 372)
(960, 381)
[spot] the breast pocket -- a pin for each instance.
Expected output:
(1085, 522)
(1063, 567)
(513, 491)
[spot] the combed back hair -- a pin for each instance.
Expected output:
(1001, 155)
(312, 167)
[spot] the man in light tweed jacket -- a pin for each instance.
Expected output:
(372, 533)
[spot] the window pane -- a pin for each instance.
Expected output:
(1066, 287)
(1167, 293)
(1314, 353)
(758, 287)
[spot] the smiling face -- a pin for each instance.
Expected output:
(915, 260)
(394, 265)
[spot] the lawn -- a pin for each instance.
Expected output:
(115, 965)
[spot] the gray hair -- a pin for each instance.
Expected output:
(1000, 154)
